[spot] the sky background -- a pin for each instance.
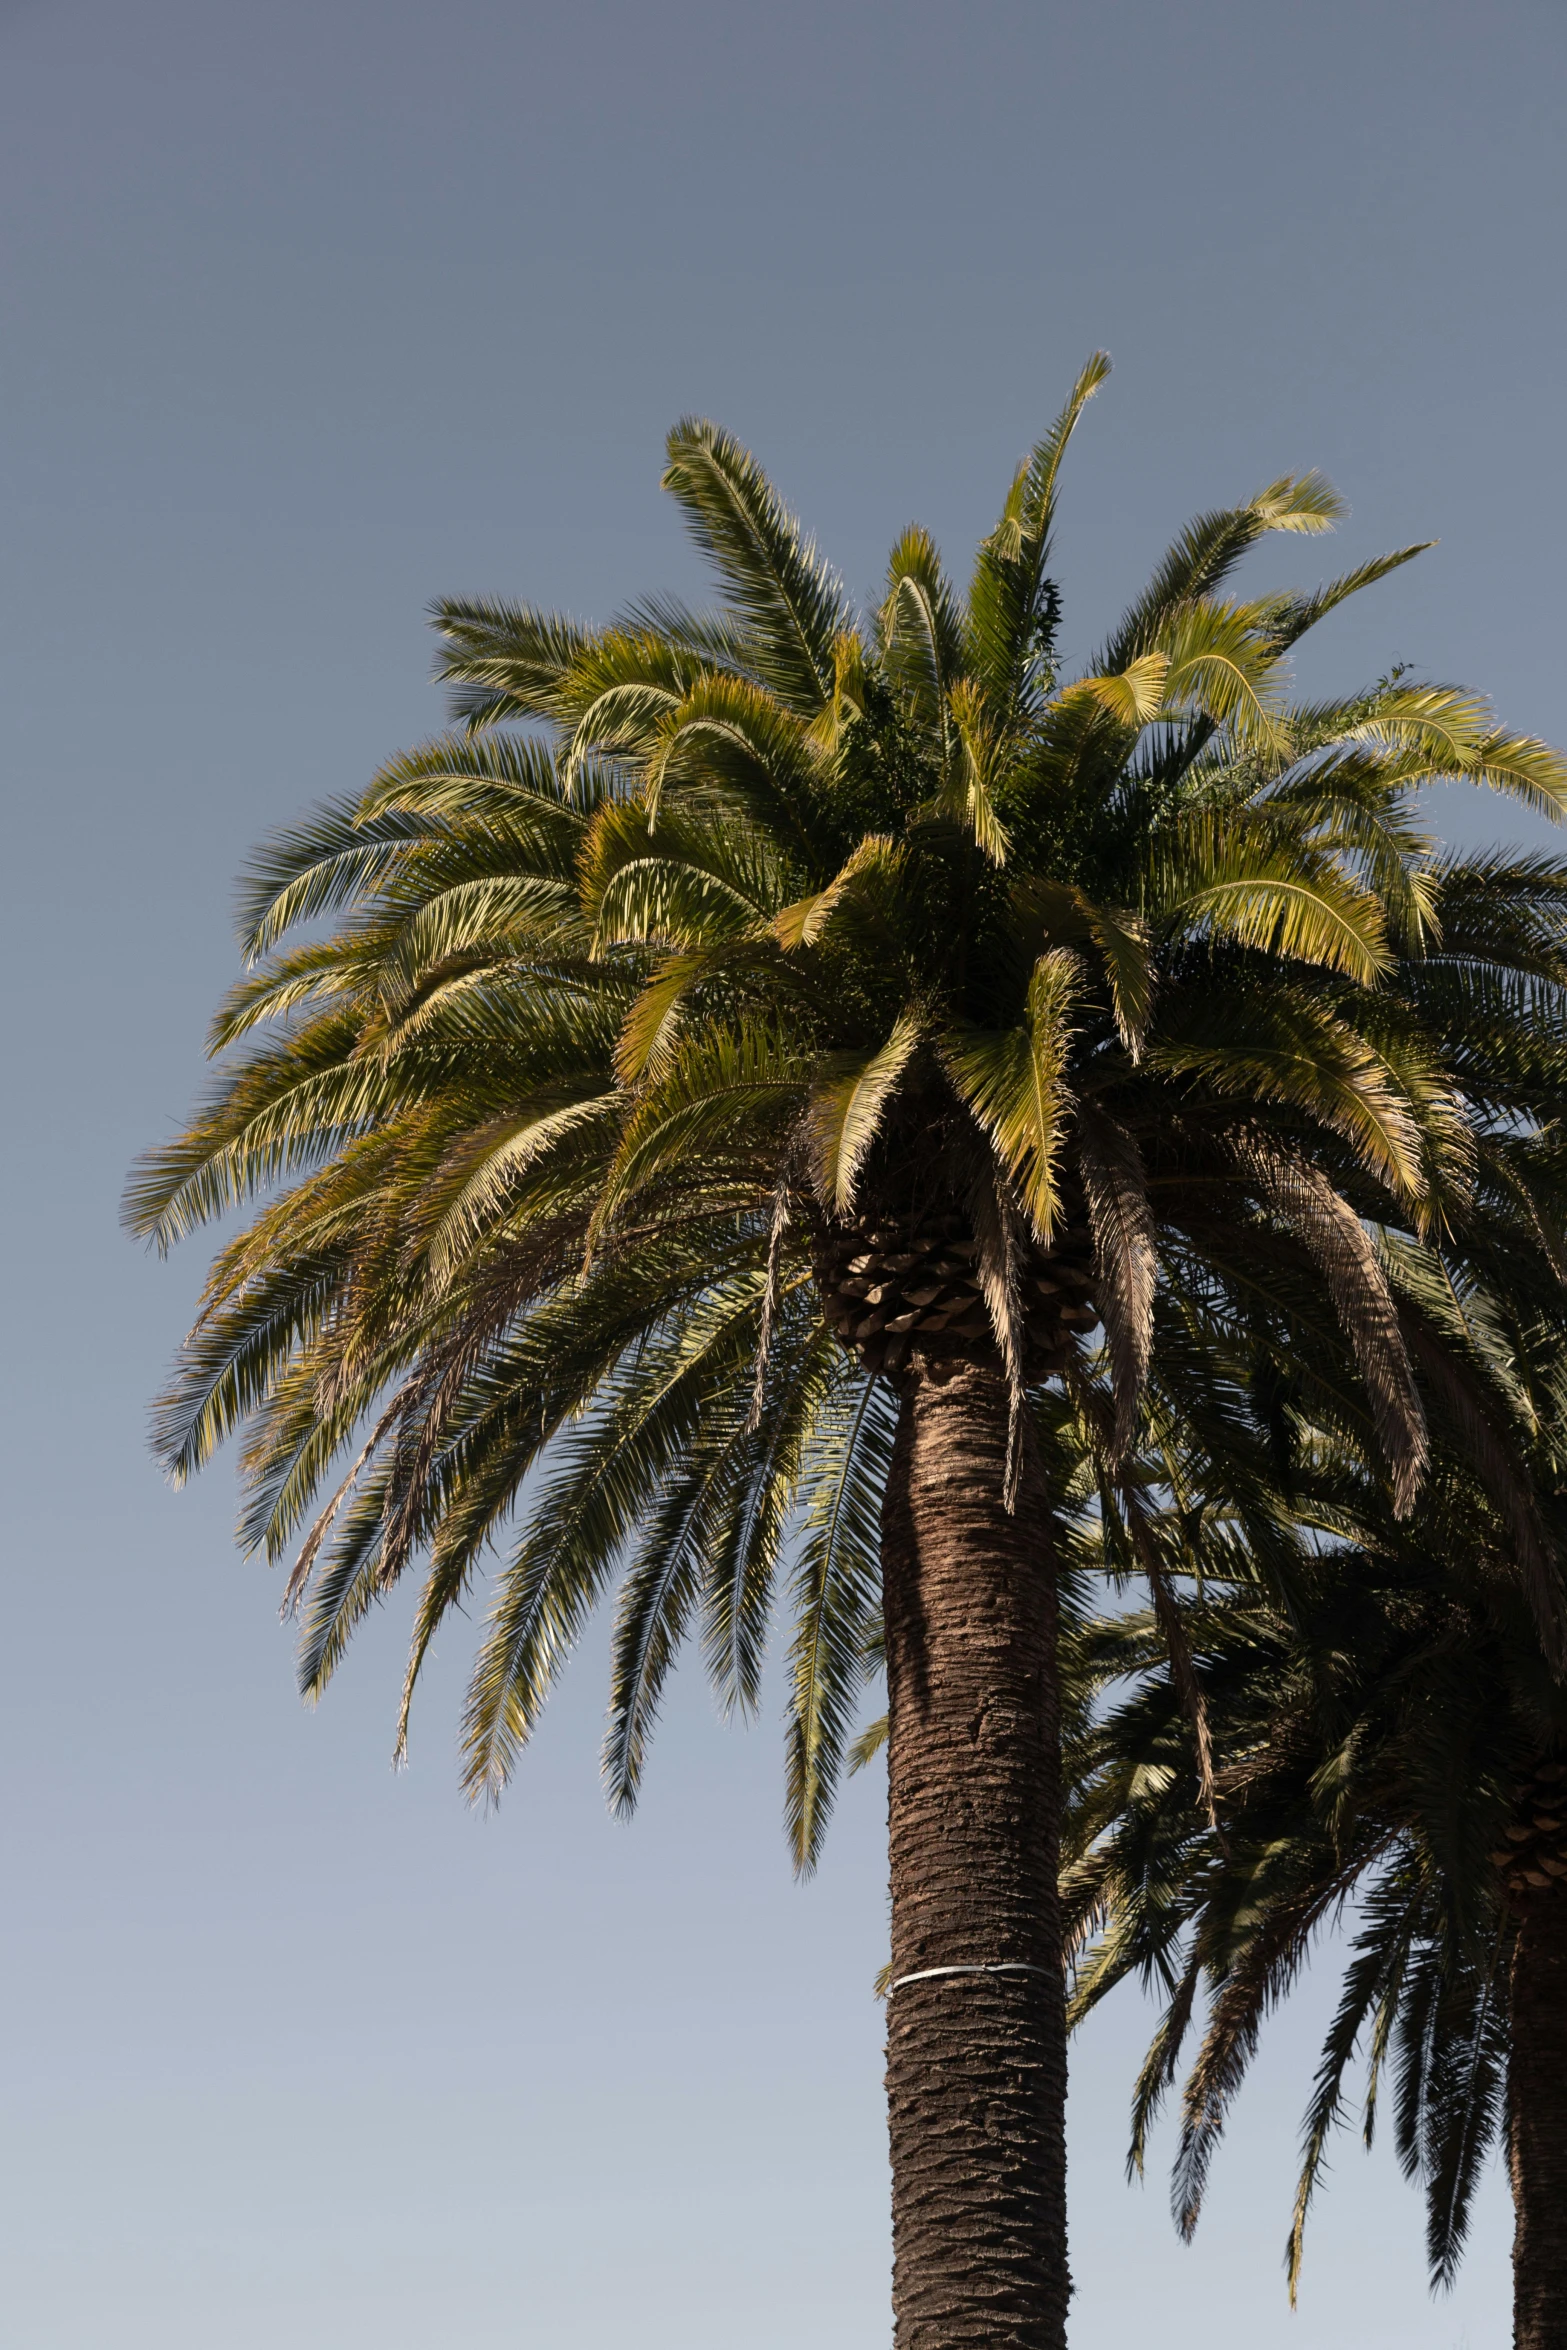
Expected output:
(315, 309)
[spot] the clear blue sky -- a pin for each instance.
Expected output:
(313, 309)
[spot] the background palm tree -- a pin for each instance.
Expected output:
(1395, 1739)
(725, 1099)
(1382, 1685)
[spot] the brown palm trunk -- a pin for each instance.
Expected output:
(976, 2062)
(1537, 2101)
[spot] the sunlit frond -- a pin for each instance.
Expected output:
(968, 796)
(789, 600)
(1014, 1082)
(1208, 550)
(847, 1109)
(1009, 614)
(1246, 882)
(1286, 618)
(921, 631)
(503, 660)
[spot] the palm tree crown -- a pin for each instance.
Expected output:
(750, 1059)
(779, 981)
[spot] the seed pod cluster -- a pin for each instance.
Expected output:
(894, 1292)
(1533, 1858)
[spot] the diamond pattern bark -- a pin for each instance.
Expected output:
(976, 2063)
(1537, 2121)
(1533, 1857)
(1532, 1865)
(902, 1292)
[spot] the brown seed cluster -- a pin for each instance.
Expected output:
(1533, 1860)
(895, 1292)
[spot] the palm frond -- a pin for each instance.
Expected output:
(503, 660)
(836, 1592)
(847, 1109)
(1126, 1262)
(1008, 609)
(787, 598)
(1014, 1083)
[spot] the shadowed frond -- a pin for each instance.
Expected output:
(1341, 1249)
(836, 1592)
(1126, 1262)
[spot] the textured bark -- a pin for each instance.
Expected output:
(1537, 2100)
(903, 1292)
(976, 2063)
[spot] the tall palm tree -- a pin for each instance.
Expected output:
(1393, 1741)
(754, 1052)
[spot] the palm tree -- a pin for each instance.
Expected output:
(754, 1052)
(1385, 1695)
(1394, 1740)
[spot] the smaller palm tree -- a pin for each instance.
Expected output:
(1394, 1740)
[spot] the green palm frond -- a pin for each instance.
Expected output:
(734, 741)
(847, 1109)
(503, 660)
(1008, 611)
(1218, 667)
(921, 627)
(836, 1593)
(1014, 1083)
(725, 1098)
(1208, 550)
(969, 792)
(1286, 618)
(784, 593)
(867, 883)
(610, 1473)
(1134, 696)
(1234, 881)
(1294, 1050)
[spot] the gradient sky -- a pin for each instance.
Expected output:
(314, 309)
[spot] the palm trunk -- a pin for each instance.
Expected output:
(1537, 2103)
(976, 2062)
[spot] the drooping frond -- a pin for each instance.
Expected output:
(610, 1475)
(847, 1109)
(1014, 1083)
(1245, 882)
(837, 1590)
(1341, 1249)
(1126, 1261)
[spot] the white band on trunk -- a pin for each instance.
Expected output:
(1003, 1966)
